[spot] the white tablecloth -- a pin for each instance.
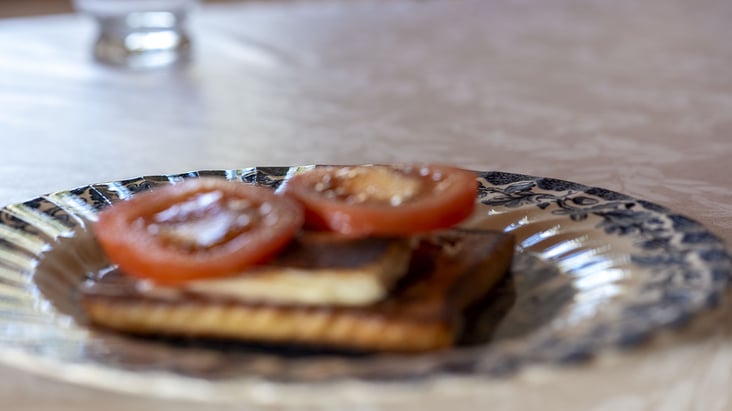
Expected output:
(631, 96)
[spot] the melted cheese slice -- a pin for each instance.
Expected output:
(318, 269)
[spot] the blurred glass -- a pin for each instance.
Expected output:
(140, 34)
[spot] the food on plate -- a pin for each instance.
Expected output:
(449, 271)
(200, 228)
(318, 268)
(368, 273)
(384, 200)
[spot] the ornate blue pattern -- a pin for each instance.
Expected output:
(689, 266)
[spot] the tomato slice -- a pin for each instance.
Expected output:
(384, 200)
(196, 229)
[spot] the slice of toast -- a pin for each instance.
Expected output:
(448, 272)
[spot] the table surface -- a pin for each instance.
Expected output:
(631, 96)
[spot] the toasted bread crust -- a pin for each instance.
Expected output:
(318, 326)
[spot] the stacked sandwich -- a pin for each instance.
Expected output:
(361, 258)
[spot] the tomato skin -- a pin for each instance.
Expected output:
(128, 242)
(451, 204)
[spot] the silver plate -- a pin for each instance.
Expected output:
(594, 269)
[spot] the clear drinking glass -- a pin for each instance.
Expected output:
(140, 34)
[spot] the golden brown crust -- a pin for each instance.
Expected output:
(450, 271)
(322, 327)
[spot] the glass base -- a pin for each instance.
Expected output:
(115, 52)
(143, 40)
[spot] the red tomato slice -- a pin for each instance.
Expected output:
(384, 200)
(196, 229)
